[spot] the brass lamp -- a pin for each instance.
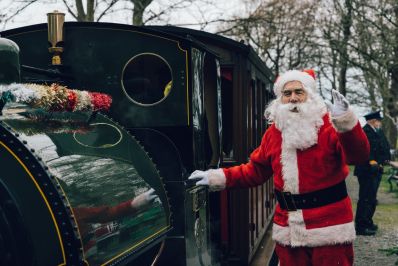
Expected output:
(55, 21)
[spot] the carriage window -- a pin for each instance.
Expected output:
(227, 112)
(146, 79)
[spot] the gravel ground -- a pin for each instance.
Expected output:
(367, 248)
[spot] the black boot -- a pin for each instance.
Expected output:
(373, 227)
(365, 232)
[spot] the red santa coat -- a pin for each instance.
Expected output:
(301, 171)
(85, 216)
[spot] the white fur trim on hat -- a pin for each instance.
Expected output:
(306, 79)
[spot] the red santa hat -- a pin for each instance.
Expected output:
(306, 77)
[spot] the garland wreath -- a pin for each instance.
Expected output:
(55, 98)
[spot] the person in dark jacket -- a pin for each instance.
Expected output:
(369, 174)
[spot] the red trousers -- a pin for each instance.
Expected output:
(342, 255)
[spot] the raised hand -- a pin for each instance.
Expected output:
(340, 104)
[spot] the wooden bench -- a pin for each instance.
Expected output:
(394, 174)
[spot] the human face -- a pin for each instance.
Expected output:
(293, 92)
(375, 123)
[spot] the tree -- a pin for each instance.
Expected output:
(360, 38)
(375, 46)
(13, 9)
(138, 10)
(281, 31)
(336, 22)
(142, 11)
(76, 9)
(352, 43)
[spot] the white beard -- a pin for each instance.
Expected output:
(299, 129)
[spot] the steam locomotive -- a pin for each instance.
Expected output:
(181, 100)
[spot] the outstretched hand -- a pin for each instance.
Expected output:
(201, 178)
(340, 104)
(145, 199)
(214, 179)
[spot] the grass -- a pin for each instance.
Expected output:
(385, 185)
(387, 214)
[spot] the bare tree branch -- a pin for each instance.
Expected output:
(70, 11)
(19, 10)
(107, 9)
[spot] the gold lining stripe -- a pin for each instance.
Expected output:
(81, 241)
(139, 243)
(186, 78)
(43, 196)
(124, 69)
(74, 218)
(105, 146)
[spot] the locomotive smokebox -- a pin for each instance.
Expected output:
(55, 22)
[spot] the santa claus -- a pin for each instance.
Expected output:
(306, 150)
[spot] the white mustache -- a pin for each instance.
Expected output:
(292, 107)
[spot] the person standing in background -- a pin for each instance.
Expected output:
(369, 174)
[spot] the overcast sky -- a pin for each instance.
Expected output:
(36, 13)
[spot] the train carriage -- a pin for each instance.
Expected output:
(178, 104)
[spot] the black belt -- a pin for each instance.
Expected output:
(293, 202)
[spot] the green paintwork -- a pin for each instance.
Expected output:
(35, 213)
(95, 55)
(9, 63)
(96, 164)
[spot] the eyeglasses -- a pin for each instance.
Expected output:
(298, 92)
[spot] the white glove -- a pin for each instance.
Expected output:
(201, 177)
(213, 178)
(144, 200)
(340, 104)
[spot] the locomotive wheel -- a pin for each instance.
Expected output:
(13, 237)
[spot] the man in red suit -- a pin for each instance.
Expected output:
(306, 150)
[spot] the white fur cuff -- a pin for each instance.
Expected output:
(345, 122)
(217, 180)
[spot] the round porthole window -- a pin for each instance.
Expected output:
(146, 79)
